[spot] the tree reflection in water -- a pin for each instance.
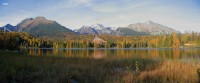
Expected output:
(184, 54)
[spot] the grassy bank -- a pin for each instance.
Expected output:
(15, 67)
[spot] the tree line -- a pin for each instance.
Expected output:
(17, 40)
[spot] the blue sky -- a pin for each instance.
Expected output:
(181, 15)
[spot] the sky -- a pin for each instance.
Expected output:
(181, 15)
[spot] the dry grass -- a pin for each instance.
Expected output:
(167, 72)
(36, 69)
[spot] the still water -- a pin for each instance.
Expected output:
(180, 54)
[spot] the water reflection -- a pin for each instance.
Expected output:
(187, 54)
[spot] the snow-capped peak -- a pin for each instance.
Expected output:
(98, 26)
(113, 28)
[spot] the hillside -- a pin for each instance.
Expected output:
(86, 30)
(41, 27)
(129, 32)
(151, 28)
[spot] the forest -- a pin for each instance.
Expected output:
(17, 40)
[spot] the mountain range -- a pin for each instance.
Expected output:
(148, 28)
(41, 27)
(96, 29)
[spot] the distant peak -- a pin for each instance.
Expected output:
(8, 25)
(98, 26)
(149, 22)
(40, 17)
(29, 22)
(151, 28)
(85, 26)
(27, 19)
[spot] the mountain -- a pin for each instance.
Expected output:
(95, 29)
(148, 28)
(9, 27)
(151, 28)
(41, 27)
(124, 31)
(102, 29)
(86, 30)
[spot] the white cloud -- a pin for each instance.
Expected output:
(75, 3)
(109, 7)
(5, 4)
(105, 7)
(81, 1)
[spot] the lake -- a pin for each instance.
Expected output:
(180, 54)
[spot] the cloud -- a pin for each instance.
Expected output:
(105, 7)
(75, 3)
(123, 5)
(81, 1)
(5, 4)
